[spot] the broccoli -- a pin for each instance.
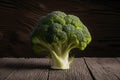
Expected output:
(59, 33)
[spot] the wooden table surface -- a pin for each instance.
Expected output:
(84, 68)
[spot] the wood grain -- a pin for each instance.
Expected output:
(118, 58)
(104, 68)
(7, 67)
(39, 69)
(78, 71)
(24, 69)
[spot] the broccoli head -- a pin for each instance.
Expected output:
(59, 33)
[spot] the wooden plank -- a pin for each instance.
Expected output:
(31, 69)
(78, 71)
(118, 58)
(7, 67)
(104, 68)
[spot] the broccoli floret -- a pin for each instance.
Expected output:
(59, 33)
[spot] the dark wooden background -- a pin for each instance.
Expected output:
(19, 17)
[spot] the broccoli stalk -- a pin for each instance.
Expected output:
(59, 53)
(60, 62)
(59, 33)
(60, 58)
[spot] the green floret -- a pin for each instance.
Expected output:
(55, 34)
(54, 17)
(74, 20)
(59, 33)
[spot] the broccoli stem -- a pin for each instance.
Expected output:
(60, 56)
(60, 62)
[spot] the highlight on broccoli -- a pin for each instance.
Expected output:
(59, 33)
